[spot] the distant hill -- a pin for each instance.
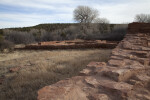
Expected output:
(48, 27)
(47, 32)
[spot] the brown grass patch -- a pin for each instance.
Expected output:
(42, 68)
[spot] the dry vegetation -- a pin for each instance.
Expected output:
(42, 68)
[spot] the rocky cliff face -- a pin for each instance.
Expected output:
(126, 76)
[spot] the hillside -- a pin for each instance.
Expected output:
(49, 26)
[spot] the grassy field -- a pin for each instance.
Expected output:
(41, 68)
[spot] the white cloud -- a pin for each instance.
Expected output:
(21, 20)
(124, 12)
(39, 4)
(116, 11)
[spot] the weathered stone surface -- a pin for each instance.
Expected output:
(64, 93)
(148, 43)
(92, 68)
(116, 63)
(145, 48)
(116, 58)
(140, 54)
(143, 78)
(86, 71)
(143, 97)
(147, 62)
(1, 80)
(112, 87)
(128, 45)
(125, 76)
(64, 90)
(99, 97)
(118, 74)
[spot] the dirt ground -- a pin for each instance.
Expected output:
(41, 68)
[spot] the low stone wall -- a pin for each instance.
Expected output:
(74, 44)
(126, 76)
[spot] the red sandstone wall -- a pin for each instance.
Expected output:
(73, 45)
(139, 28)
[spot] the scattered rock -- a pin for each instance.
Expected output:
(118, 74)
(117, 63)
(64, 90)
(14, 69)
(85, 72)
(109, 84)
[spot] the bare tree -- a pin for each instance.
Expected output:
(85, 14)
(19, 37)
(101, 20)
(102, 24)
(145, 18)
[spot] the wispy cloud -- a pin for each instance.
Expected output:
(21, 20)
(19, 13)
(124, 12)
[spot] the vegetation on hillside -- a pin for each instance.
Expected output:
(67, 32)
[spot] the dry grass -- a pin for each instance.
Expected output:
(42, 68)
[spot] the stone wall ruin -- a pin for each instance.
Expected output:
(72, 44)
(126, 76)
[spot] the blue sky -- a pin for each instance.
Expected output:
(21, 13)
